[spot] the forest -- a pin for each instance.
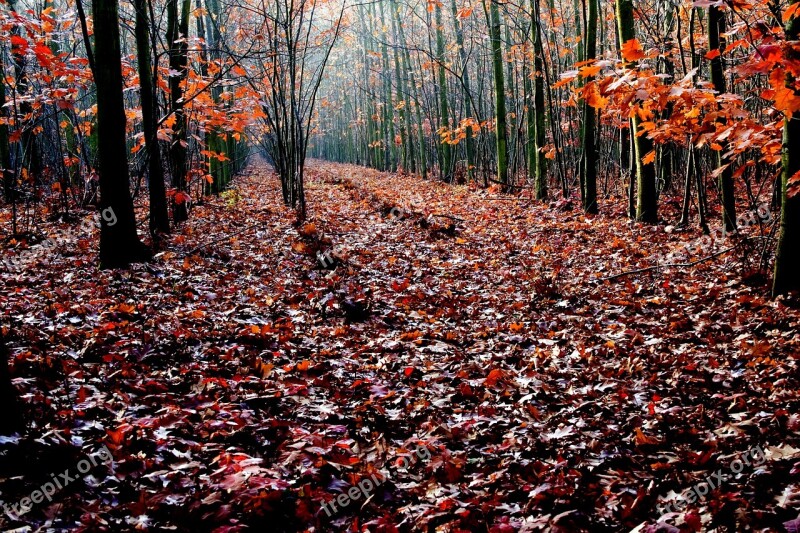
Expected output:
(400, 265)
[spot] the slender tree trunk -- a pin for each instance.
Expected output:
(388, 104)
(5, 148)
(500, 96)
(786, 276)
(716, 26)
(647, 201)
(402, 96)
(540, 177)
(465, 91)
(119, 243)
(423, 163)
(159, 215)
(178, 28)
(444, 114)
(589, 129)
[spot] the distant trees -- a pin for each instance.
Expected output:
(564, 96)
(289, 80)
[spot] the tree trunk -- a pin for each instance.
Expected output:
(540, 177)
(119, 243)
(5, 148)
(499, 96)
(646, 202)
(12, 420)
(589, 129)
(716, 25)
(178, 29)
(444, 114)
(786, 276)
(159, 216)
(465, 91)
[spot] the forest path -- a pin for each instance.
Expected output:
(234, 377)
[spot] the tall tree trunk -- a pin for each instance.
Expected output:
(647, 200)
(589, 129)
(178, 29)
(388, 105)
(402, 96)
(786, 276)
(540, 178)
(423, 163)
(119, 243)
(5, 147)
(716, 26)
(159, 215)
(499, 96)
(465, 91)
(444, 114)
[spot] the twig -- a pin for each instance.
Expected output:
(657, 267)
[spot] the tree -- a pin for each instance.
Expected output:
(786, 276)
(159, 216)
(446, 160)
(177, 34)
(119, 242)
(647, 202)
(588, 131)
(716, 27)
(12, 420)
(540, 175)
(499, 92)
(291, 80)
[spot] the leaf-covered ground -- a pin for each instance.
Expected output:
(240, 384)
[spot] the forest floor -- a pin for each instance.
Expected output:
(460, 353)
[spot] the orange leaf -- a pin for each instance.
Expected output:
(790, 12)
(711, 54)
(591, 70)
(649, 157)
(632, 50)
(464, 13)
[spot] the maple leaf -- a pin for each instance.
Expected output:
(632, 50)
(793, 185)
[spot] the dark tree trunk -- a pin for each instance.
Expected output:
(119, 243)
(787, 261)
(12, 420)
(159, 216)
(178, 29)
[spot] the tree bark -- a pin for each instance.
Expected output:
(499, 96)
(159, 215)
(119, 243)
(178, 29)
(444, 114)
(646, 201)
(786, 276)
(589, 129)
(716, 26)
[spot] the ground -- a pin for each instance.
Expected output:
(457, 347)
